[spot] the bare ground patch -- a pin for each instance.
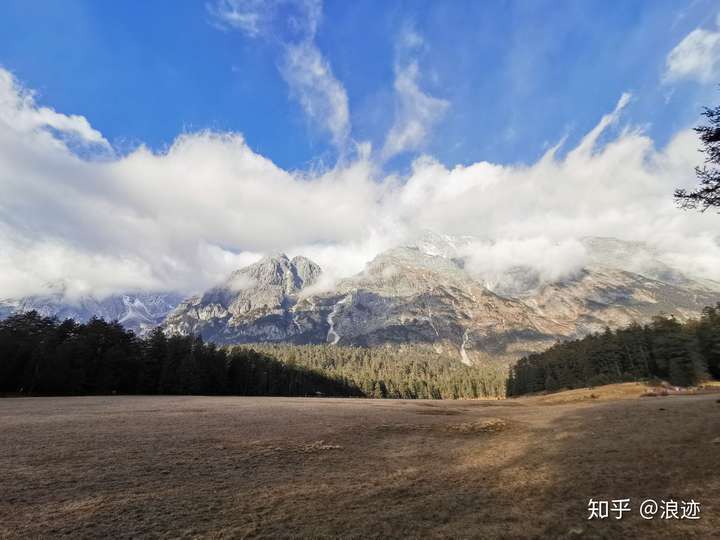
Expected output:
(491, 425)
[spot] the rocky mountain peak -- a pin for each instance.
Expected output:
(276, 271)
(307, 271)
(263, 291)
(411, 261)
(440, 245)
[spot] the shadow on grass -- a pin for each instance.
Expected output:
(527, 481)
(506, 472)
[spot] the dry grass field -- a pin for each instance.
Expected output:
(234, 467)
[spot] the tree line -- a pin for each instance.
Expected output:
(44, 356)
(410, 372)
(684, 354)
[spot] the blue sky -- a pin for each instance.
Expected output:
(161, 145)
(517, 76)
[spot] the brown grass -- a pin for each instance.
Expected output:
(630, 390)
(209, 467)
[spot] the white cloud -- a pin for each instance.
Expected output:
(248, 16)
(18, 112)
(308, 73)
(241, 282)
(322, 96)
(696, 57)
(551, 260)
(589, 141)
(416, 112)
(185, 218)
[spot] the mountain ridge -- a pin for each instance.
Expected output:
(425, 292)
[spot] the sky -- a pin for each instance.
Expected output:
(160, 145)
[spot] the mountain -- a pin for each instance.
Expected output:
(424, 293)
(427, 292)
(139, 312)
(255, 303)
(409, 295)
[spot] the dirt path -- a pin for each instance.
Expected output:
(280, 467)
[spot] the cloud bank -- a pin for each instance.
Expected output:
(184, 218)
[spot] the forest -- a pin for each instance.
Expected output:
(410, 372)
(684, 354)
(43, 356)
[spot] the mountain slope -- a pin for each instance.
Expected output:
(408, 295)
(423, 293)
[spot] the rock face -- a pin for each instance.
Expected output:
(139, 312)
(408, 295)
(256, 303)
(423, 293)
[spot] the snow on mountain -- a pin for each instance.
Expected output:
(139, 312)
